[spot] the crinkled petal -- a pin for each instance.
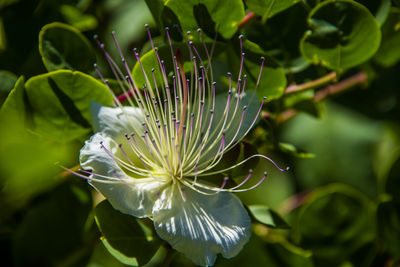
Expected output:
(129, 195)
(201, 226)
(115, 122)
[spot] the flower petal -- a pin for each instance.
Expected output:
(115, 122)
(201, 226)
(128, 195)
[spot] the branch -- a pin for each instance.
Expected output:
(305, 86)
(357, 79)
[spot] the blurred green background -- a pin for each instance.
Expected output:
(339, 205)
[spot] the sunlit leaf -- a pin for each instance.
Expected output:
(226, 15)
(272, 82)
(27, 162)
(268, 8)
(60, 102)
(268, 217)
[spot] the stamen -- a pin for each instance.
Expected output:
(223, 183)
(125, 155)
(261, 68)
(244, 181)
(254, 186)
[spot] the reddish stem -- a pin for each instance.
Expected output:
(357, 79)
(247, 19)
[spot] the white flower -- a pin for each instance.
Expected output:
(149, 159)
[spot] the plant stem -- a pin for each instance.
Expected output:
(309, 85)
(247, 19)
(359, 78)
(356, 79)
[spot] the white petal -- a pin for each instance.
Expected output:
(115, 122)
(129, 195)
(202, 226)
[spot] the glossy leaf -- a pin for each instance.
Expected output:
(268, 8)
(125, 237)
(128, 24)
(283, 33)
(64, 47)
(272, 82)
(343, 34)
(267, 216)
(19, 147)
(60, 102)
(225, 15)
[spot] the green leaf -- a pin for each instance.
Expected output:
(387, 153)
(125, 237)
(343, 34)
(102, 258)
(383, 11)
(64, 47)
(60, 102)
(388, 218)
(19, 147)
(14, 107)
(127, 19)
(225, 15)
(335, 221)
(7, 81)
(273, 79)
(52, 230)
(283, 31)
(294, 151)
(388, 53)
(268, 217)
(77, 19)
(268, 8)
